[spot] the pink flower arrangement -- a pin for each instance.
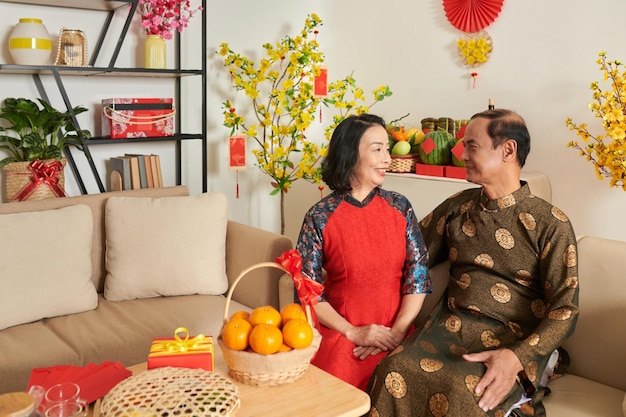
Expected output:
(163, 17)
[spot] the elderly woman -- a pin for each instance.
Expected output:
(368, 242)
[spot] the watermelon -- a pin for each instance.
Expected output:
(435, 148)
(457, 152)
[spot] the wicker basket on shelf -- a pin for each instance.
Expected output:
(267, 370)
(34, 180)
(404, 163)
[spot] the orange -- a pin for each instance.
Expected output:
(284, 347)
(264, 315)
(240, 315)
(292, 311)
(266, 339)
(397, 133)
(297, 333)
(236, 334)
(399, 136)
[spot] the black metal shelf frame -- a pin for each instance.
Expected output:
(57, 72)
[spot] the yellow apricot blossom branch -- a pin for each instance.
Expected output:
(281, 90)
(608, 159)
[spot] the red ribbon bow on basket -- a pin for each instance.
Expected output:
(308, 290)
(42, 173)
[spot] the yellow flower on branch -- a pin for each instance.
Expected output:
(606, 152)
(281, 89)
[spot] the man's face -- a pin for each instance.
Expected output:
(482, 161)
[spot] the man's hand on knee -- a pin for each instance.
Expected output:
(502, 368)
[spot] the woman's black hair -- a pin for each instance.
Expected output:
(504, 125)
(343, 151)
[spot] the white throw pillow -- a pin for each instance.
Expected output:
(45, 264)
(165, 246)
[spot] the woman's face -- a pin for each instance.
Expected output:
(374, 160)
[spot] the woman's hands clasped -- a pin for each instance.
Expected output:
(372, 339)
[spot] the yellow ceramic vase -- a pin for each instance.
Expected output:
(154, 52)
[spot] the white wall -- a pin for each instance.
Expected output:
(541, 66)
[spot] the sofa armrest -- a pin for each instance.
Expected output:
(439, 276)
(286, 291)
(248, 245)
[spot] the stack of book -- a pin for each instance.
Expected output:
(135, 171)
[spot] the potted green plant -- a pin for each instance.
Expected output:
(34, 165)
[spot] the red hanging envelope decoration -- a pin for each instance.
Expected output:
(320, 86)
(237, 156)
(321, 83)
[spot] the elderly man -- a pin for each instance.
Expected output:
(512, 297)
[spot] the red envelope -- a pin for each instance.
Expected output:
(96, 384)
(94, 380)
(85, 370)
(61, 373)
(38, 376)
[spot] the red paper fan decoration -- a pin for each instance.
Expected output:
(472, 15)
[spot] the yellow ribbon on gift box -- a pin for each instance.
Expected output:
(198, 344)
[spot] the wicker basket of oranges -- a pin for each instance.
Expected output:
(267, 347)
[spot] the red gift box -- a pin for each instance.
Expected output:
(177, 352)
(432, 170)
(137, 117)
(455, 172)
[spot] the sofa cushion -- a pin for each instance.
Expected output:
(29, 346)
(624, 406)
(46, 264)
(130, 326)
(165, 246)
(573, 396)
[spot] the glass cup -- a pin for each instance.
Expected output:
(65, 392)
(38, 392)
(77, 408)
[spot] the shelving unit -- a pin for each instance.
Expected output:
(61, 73)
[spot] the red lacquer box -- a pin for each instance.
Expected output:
(137, 117)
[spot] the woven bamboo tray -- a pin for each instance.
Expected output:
(404, 163)
(166, 392)
(267, 370)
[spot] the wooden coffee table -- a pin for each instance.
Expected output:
(316, 394)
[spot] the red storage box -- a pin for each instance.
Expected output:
(432, 170)
(137, 117)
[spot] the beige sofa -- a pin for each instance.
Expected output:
(595, 385)
(123, 330)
